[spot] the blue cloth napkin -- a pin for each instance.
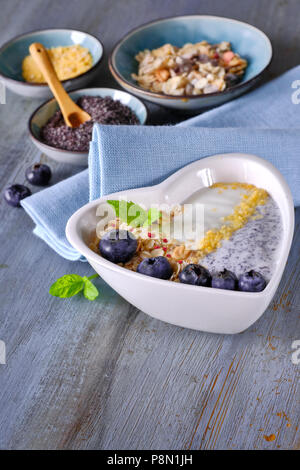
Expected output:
(265, 122)
(51, 208)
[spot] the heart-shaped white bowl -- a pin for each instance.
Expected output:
(200, 308)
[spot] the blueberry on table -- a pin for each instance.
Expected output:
(224, 280)
(158, 267)
(15, 193)
(38, 174)
(196, 275)
(118, 246)
(252, 281)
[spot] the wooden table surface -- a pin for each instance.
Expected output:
(103, 375)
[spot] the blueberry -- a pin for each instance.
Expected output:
(196, 275)
(224, 280)
(15, 193)
(118, 246)
(38, 174)
(155, 267)
(185, 67)
(231, 79)
(202, 58)
(252, 281)
(214, 62)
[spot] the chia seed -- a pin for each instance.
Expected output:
(102, 110)
(254, 246)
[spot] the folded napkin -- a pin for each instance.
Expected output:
(264, 122)
(51, 208)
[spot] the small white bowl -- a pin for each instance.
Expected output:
(13, 52)
(41, 115)
(200, 308)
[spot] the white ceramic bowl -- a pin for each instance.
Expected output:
(200, 308)
(41, 115)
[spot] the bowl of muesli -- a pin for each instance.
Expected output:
(191, 62)
(205, 249)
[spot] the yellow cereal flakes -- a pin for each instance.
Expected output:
(68, 62)
(240, 216)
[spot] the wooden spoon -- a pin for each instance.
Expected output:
(73, 115)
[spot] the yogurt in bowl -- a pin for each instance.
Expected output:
(228, 226)
(259, 206)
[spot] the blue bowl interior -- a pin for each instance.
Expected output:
(47, 110)
(246, 40)
(12, 55)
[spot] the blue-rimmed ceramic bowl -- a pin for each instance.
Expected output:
(41, 115)
(13, 52)
(246, 40)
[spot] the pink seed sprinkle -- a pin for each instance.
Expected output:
(149, 234)
(165, 240)
(165, 248)
(180, 261)
(168, 256)
(156, 247)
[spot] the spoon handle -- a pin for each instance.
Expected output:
(41, 58)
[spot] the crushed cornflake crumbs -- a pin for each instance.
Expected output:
(233, 222)
(68, 62)
(153, 243)
(270, 438)
(194, 69)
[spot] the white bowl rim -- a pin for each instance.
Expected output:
(76, 240)
(84, 90)
(36, 31)
(120, 79)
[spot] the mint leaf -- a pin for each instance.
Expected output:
(129, 212)
(71, 284)
(67, 286)
(116, 205)
(153, 215)
(136, 215)
(90, 291)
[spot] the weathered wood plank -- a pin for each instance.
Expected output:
(103, 375)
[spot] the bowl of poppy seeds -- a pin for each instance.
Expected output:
(53, 137)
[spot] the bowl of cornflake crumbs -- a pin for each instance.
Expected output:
(64, 144)
(75, 55)
(191, 62)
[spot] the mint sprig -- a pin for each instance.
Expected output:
(71, 284)
(133, 214)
